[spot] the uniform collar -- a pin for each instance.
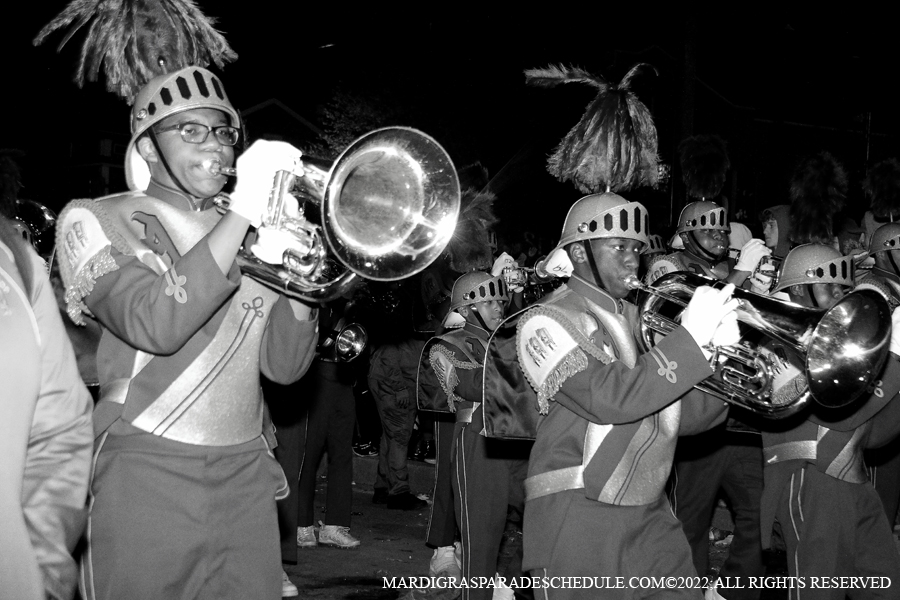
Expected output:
(477, 331)
(176, 198)
(595, 294)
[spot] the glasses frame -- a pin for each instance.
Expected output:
(180, 126)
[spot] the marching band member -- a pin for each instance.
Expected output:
(703, 229)
(45, 433)
(725, 458)
(184, 485)
(884, 277)
(487, 474)
(595, 502)
(816, 485)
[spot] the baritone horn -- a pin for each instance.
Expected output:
(788, 354)
(384, 210)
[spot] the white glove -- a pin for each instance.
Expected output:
(256, 170)
(706, 311)
(558, 264)
(751, 253)
(895, 331)
(727, 333)
(503, 261)
(761, 280)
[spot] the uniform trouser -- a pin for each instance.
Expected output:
(885, 474)
(488, 477)
(591, 541)
(396, 428)
(172, 520)
(289, 418)
(442, 522)
(332, 413)
(832, 529)
(732, 462)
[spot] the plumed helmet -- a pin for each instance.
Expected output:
(166, 95)
(886, 237)
(605, 215)
(702, 215)
(475, 287)
(815, 263)
(656, 245)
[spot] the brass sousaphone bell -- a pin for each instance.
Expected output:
(830, 356)
(384, 210)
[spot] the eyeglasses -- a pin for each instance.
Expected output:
(196, 133)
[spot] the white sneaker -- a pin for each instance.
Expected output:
(306, 537)
(445, 563)
(337, 536)
(712, 593)
(502, 591)
(288, 589)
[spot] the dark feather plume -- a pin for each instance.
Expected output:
(136, 40)
(470, 247)
(882, 186)
(704, 162)
(818, 192)
(614, 145)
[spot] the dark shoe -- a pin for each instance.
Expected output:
(420, 452)
(365, 449)
(430, 456)
(380, 496)
(405, 501)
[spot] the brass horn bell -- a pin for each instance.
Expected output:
(797, 353)
(384, 210)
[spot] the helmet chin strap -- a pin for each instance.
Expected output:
(894, 263)
(593, 262)
(478, 317)
(165, 163)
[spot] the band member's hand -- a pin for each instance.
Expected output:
(503, 261)
(727, 333)
(256, 169)
(557, 264)
(706, 310)
(895, 331)
(751, 253)
(761, 280)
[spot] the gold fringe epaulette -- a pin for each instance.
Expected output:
(79, 284)
(574, 362)
(82, 284)
(448, 381)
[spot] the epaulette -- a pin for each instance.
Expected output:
(551, 349)
(444, 364)
(85, 236)
(661, 265)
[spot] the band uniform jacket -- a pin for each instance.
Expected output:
(183, 345)
(611, 416)
(832, 443)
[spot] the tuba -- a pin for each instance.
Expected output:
(788, 354)
(384, 210)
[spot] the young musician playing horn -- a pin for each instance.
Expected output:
(884, 277)
(816, 486)
(727, 458)
(184, 482)
(595, 502)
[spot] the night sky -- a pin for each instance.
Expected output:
(776, 86)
